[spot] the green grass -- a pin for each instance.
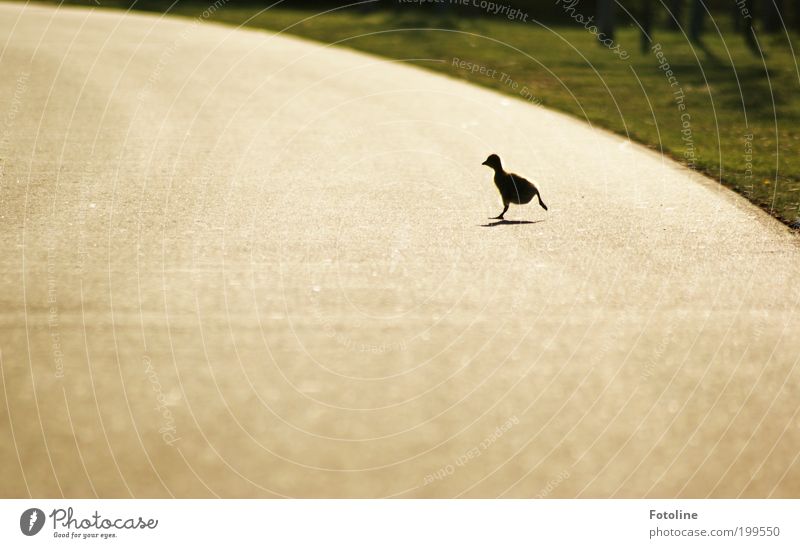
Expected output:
(566, 69)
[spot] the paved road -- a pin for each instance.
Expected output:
(242, 265)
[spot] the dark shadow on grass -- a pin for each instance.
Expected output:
(506, 222)
(709, 53)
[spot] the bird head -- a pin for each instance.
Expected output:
(493, 161)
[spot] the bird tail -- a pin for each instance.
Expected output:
(541, 203)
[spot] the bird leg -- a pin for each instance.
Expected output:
(503, 213)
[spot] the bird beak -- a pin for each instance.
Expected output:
(484, 163)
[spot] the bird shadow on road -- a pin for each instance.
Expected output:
(505, 222)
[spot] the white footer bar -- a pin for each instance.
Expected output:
(400, 523)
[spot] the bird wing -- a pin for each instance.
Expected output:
(522, 182)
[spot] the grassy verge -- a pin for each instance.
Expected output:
(741, 111)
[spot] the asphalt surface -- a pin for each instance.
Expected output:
(243, 265)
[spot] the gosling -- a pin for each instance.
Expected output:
(513, 188)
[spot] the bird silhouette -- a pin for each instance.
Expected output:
(513, 188)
